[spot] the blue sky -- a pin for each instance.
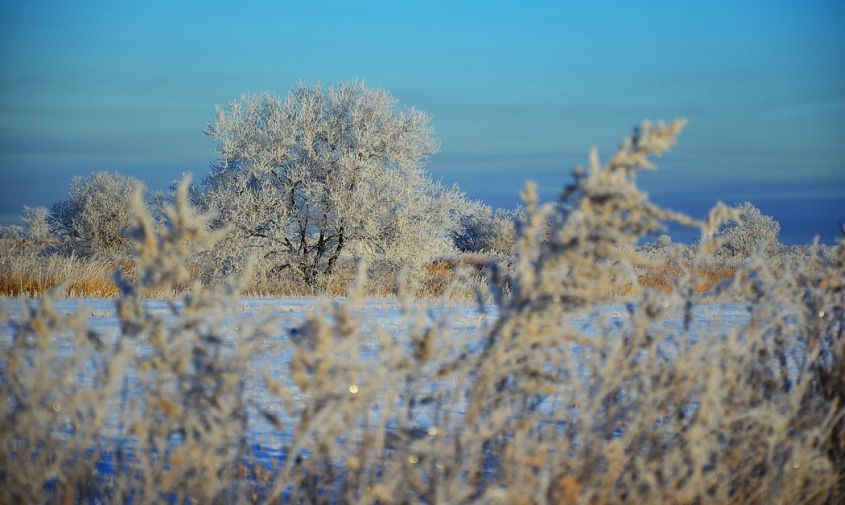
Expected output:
(517, 90)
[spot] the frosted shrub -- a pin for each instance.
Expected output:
(503, 237)
(807, 252)
(475, 225)
(325, 173)
(36, 224)
(12, 232)
(168, 387)
(95, 214)
(752, 229)
(662, 252)
(642, 411)
(485, 230)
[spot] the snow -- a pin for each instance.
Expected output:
(464, 323)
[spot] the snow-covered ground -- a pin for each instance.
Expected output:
(463, 323)
(465, 319)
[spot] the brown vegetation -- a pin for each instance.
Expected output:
(561, 399)
(23, 271)
(665, 277)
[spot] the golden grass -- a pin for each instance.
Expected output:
(27, 273)
(24, 272)
(664, 277)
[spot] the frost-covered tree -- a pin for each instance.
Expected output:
(486, 230)
(751, 230)
(326, 173)
(11, 232)
(36, 223)
(92, 219)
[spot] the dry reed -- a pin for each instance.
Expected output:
(563, 399)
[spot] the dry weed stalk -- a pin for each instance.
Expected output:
(565, 398)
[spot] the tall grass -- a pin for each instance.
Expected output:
(26, 271)
(563, 399)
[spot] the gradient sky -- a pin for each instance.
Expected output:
(517, 90)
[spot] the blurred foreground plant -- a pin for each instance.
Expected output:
(564, 399)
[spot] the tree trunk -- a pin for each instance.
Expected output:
(336, 252)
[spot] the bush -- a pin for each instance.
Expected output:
(12, 232)
(322, 174)
(749, 231)
(484, 230)
(92, 220)
(37, 224)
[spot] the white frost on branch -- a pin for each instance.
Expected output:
(323, 175)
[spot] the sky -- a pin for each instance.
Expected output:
(517, 91)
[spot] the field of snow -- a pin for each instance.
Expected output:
(465, 323)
